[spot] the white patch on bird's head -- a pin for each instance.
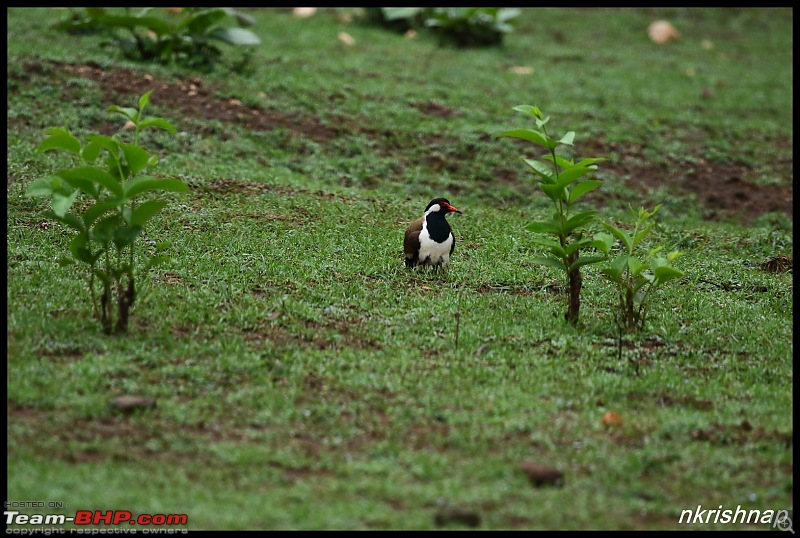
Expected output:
(435, 208)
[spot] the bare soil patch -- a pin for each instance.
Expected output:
(724, 189)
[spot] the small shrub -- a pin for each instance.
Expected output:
(471, 26)
(191, 41)
(457, 26)
(564, 182)
(110, 174)
(635, 277)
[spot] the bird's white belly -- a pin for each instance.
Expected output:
(431, 252)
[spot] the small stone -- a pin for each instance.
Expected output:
(127, 404)
(460, 516)
(612, 418)
(540, 475)
(662, 32)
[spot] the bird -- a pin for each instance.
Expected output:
(429, 240)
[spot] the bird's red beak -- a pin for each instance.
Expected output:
(452, 208)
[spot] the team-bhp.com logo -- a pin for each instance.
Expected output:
(95, 517)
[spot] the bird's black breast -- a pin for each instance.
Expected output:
(438, 227)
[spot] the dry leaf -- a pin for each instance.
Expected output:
(410, 34)
(612, 418)
(521, 70)
(662, 32)
(304, 12)
(346, 38)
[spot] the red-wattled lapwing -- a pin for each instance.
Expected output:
(429, 241)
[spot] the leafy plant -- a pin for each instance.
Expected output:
(564, 182)
(471, 26)
(398, 19)
(110, 173)
(459, 26)
(190, 41)
(635, 278)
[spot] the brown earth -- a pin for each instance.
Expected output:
(724, 189)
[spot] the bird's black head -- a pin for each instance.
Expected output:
(444, 206)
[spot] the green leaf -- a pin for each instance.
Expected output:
(636, 266)
(162, 124)
(93, 174)
(582, 188)
(644, 214)
(235, 36)
(554, 246)
(160, 27)
(542, 170)
(553, 191)
(146, 211)
(603, 242)
(199, 23)
(162, 246)
(615, 269)
(156, 260)
(144, 100)
(586, 163)
(69, 219)
(579, 219)
(543, 227)
(79, 246)
(527, 134)
(578, 244)
(78, 181)
(103, 231)
(135, 156)
(621, 235)
(394, 13)
(130, 113)
(549, 262)
(560, 161)
(585, 260)
(528, 109)
(641, 281)
(98, 142)
(142, 184)
(243, 18)
(570, 175)
(567, 138)
(43, 186)
(62, 203)
(60, 139)
(95, 211)
(637, 238)
(666, 272)
(674, 255)
(125, 235)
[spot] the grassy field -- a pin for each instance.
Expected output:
(304, 379)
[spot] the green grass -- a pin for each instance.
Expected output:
(305, 380)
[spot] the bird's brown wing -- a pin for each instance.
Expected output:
(411, 239)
